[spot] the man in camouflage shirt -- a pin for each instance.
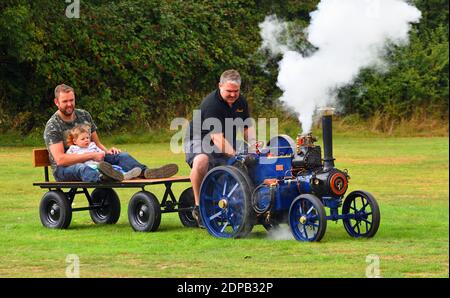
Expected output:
(71, 167)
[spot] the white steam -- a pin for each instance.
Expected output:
(281, 232)
(271, 31)
(349, 35)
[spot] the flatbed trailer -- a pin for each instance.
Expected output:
(144, 209)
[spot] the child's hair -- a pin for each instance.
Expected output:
(76, 131)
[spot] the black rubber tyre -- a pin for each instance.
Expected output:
(187, 200)
(251, 214)
(109, 212)
(366, 213)
(55, 210)
(144, 212)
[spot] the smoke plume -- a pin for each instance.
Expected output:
(282, 232)
(348, 35)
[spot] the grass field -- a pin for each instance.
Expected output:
(408, 176)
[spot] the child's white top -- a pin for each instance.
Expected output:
(74, 149)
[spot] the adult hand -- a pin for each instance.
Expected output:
(99, 156)
(113, 150)
(255, 146)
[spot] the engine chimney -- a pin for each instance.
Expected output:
(327, 131)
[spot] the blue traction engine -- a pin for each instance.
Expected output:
(285, 182)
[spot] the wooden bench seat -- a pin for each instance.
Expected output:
(41, 159)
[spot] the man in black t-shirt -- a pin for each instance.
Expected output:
(211, 140)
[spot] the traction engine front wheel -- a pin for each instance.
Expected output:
(362, 214)
(307, 218)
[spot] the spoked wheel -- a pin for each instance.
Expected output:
(362, 214)
(225, 203)
(187, 202)
(144, 212)
(251, 215)
(307, 218)
(109, 206)
(55, 210)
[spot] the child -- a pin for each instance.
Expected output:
(79, 140)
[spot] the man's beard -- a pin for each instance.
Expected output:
(66, 113)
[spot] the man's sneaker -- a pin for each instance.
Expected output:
(104, 178)
(196, 215)
(108, 171)
(133, 173)
(162, 172)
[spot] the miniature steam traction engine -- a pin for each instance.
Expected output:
(285, 182)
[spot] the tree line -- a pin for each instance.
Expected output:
(139, 63)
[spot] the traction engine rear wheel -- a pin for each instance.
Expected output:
(225, 203)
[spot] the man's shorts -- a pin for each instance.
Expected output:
(192, 149)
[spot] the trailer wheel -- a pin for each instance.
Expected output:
(55, 210)
(109, 211)
(144, 212)
(187, 200)
(225, 204)
(307, 218)
(362, 214)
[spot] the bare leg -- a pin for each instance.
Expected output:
(198, 172)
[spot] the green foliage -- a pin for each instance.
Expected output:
(137, 64)
(417, 78)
